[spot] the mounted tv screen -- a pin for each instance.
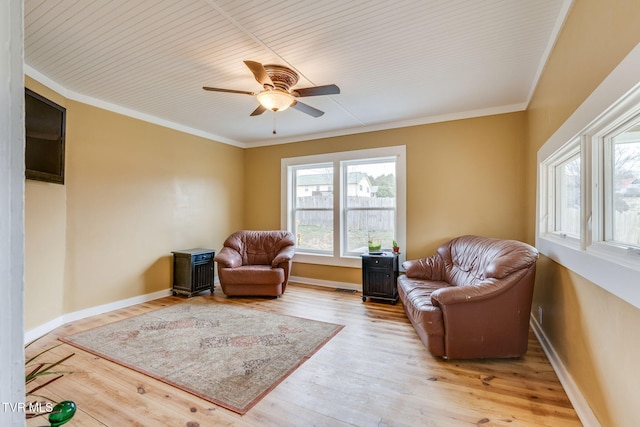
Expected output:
(44, 130)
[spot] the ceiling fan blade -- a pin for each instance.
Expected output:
(258, 111)
(316, 90)
(307, 109)
(217, 89)
(259, 73)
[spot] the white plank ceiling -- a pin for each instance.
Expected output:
(397, 63)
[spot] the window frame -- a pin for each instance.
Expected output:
(293, 207)
(608, 179)
(340, 257)
(345, 209)
(550, 209)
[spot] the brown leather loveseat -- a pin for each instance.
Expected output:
(255, 263)
(473, 298)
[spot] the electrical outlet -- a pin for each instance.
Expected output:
(540, 315)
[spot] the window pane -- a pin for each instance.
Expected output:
(314, 230)
(314, 187)
(626, 187)
(313, 208)
(367, 183)
(377, 225)
(370, 203)
(568, 197)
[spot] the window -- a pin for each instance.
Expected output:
(564, 196)
(588, 206)
(568, 190)
(357, 196)
(612, 222)
(562, 182)
(369, 215)
(622, 185)
(312, 212)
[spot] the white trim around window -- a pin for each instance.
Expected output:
(339, 256)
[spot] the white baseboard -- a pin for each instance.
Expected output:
(41, 330)
(578, 401)
(326, 283)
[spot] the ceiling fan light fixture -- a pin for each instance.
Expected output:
(275, 100)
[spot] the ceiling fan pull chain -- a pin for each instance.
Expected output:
(274, 122)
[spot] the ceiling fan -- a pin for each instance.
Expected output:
(277, 95)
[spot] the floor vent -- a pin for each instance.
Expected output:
(345, 291)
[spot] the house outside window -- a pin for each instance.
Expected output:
(357, 196)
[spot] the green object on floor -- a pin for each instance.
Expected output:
(62, 413)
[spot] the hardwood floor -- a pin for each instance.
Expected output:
(375, 372)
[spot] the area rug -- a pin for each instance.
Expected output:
(231, 356)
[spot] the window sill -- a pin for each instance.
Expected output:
(352, 262)
(618, 276)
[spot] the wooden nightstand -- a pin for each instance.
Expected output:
(193, 271)
(380, 276)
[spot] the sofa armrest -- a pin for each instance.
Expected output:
(430, 268)
(285, 255)
(519, 259)
(228, 258)
(484, 290)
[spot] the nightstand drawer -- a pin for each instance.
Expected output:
(202, 258)
(379, 261)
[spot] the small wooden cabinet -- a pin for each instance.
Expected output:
(380, 276)
(193, 271)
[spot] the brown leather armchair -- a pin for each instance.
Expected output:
(255, 263)
(473, 298)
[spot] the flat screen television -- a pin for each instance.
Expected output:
(45, 123)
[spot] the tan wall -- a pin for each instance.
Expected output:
(462, 177)
(594, 332)
(134, 192)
